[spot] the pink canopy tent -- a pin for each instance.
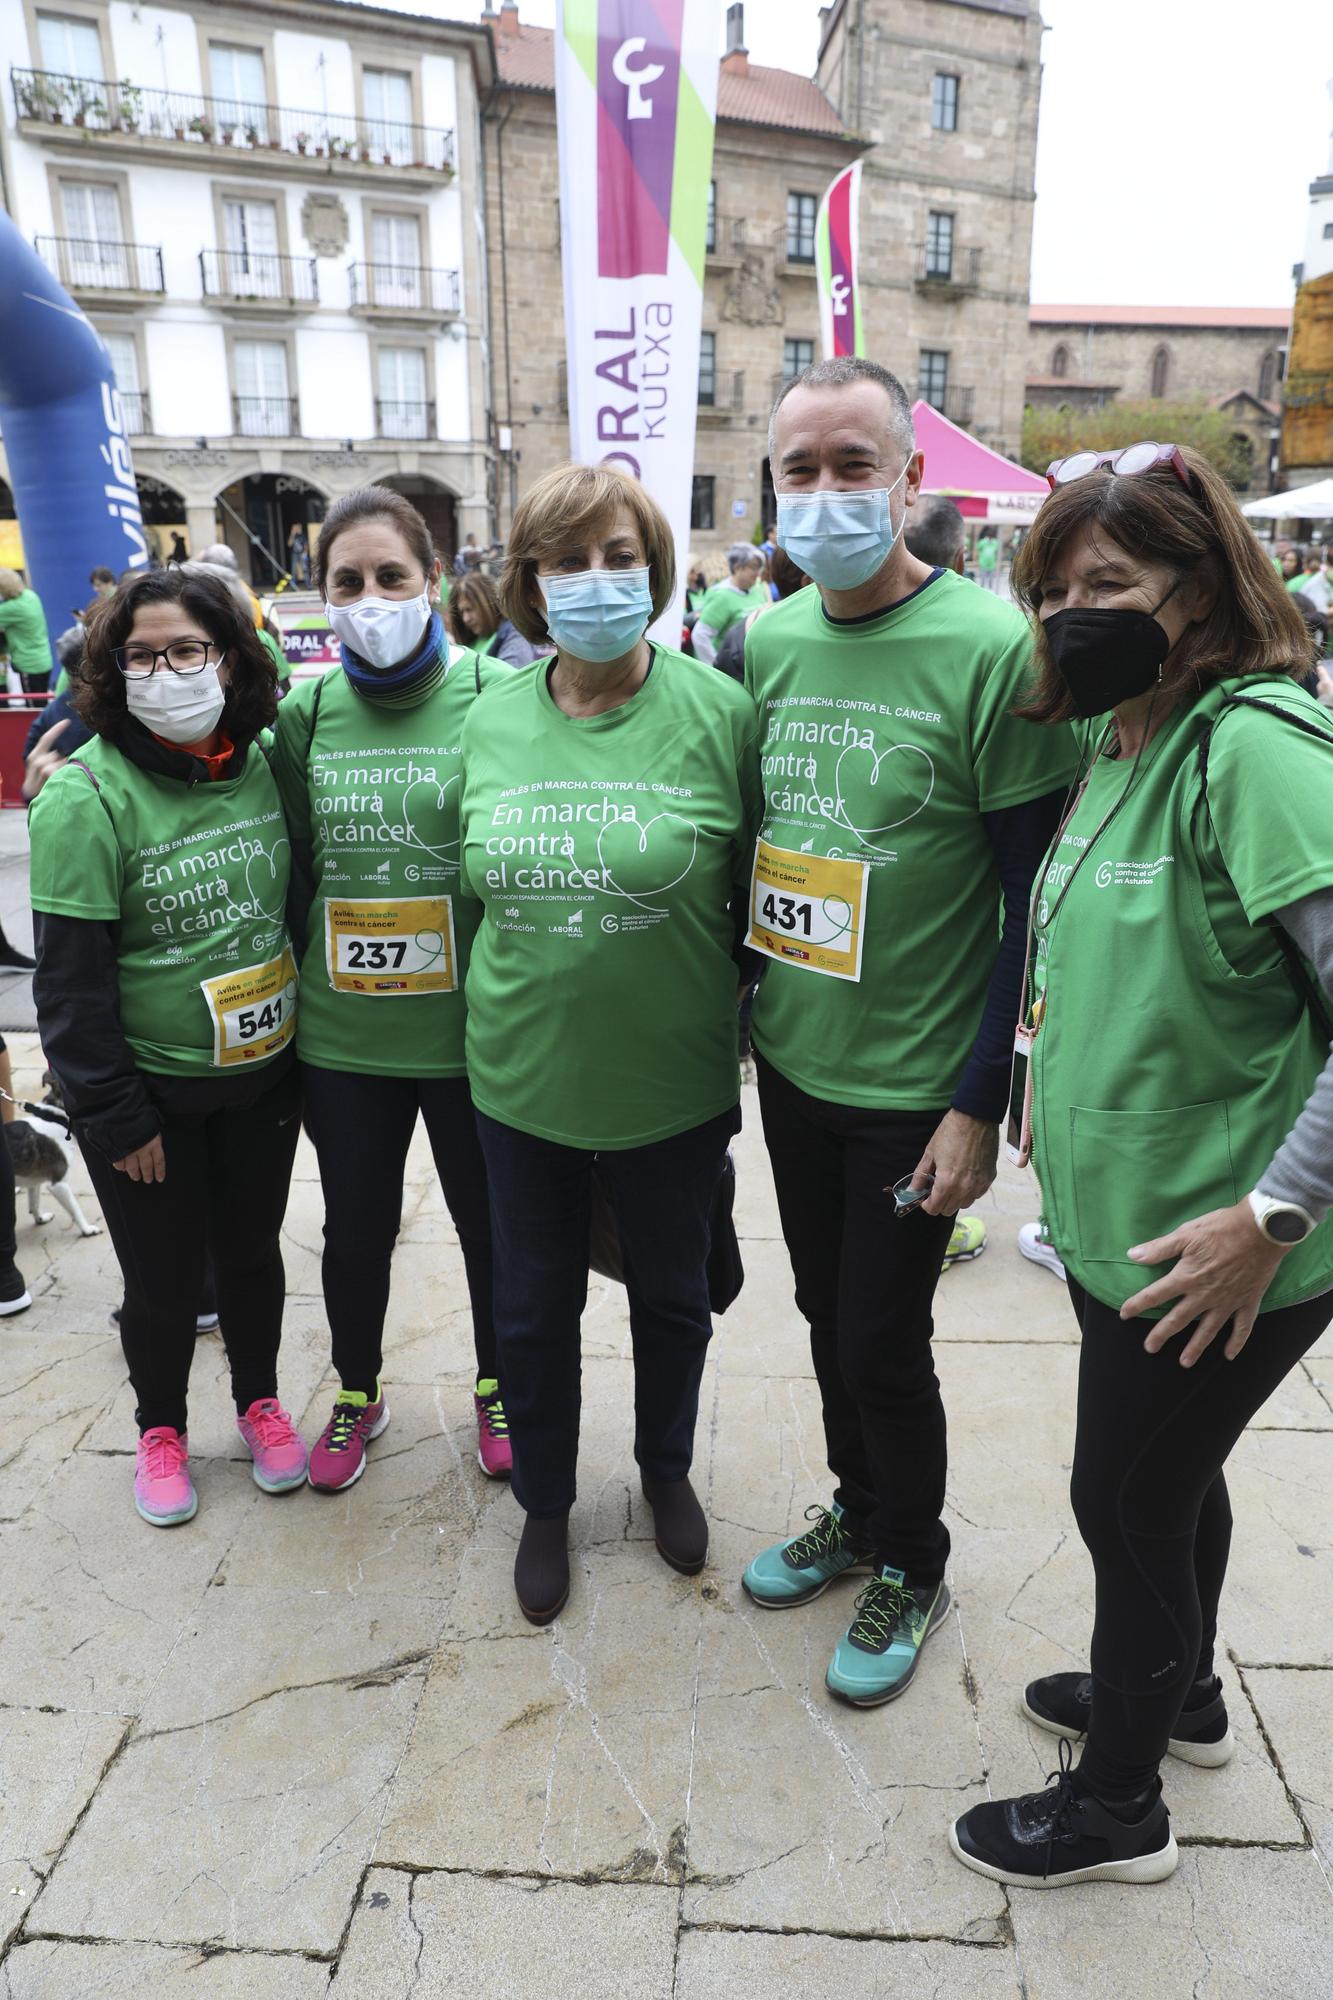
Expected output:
(986, 485)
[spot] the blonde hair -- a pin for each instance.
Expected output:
(11, 583)
(565, 508)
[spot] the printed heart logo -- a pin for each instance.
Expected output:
(266, 880)
(887, 787)
(423, 821)
(645, 855)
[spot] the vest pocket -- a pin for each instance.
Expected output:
(1140, 1174)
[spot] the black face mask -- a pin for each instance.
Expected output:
(1106, 656)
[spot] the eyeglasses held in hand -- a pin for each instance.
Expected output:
(907, 1199)
(1130, 458)
(183, 656)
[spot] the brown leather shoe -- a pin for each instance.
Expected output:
(541, 1568)
(679, 1524)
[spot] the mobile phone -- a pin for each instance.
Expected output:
(1018, 1138)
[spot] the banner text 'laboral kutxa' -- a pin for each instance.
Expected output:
(836, 252)
(636, 94)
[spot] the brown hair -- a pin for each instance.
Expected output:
(252, 685)
(565, 508)
(373, 503)
(478, 591)
(1199, 531)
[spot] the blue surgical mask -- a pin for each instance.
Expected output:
(597, 614)
(839, 539)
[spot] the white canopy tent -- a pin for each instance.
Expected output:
(1301, 503)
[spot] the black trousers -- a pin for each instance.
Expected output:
(362, 1126)
(228, 1171)
(1151, 1504)
(865, 1281)
(540, 1200)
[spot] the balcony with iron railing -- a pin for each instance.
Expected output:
(129, 116)
(249, 277)
(721, 395)
(404, 288)
(404, 420)
(265, 416)
(952, 402)
(90, 264)
(948, 268)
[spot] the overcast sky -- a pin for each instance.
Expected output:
(1178, 140)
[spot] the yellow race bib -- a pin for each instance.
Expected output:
(253, 1012)
(390, 945)
(808, 910)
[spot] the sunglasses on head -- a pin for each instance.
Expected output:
(1130, 458)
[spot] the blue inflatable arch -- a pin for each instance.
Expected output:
(69, 457)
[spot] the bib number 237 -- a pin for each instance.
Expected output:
(384, 946)
(808, 910)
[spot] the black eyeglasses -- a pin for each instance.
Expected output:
(183, 656)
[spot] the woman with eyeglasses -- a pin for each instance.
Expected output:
(166, 1001)
(1179, 1107)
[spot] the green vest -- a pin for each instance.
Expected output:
(1175, 1052)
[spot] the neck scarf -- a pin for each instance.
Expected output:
(407, 685)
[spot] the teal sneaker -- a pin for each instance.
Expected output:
(795, 1572)
(877, 1655)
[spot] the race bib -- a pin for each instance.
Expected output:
(808, 910)
(392, 945)
(253, 1012)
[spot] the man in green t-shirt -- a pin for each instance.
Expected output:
(906, 813)
(737, 595)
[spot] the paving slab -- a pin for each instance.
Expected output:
(1294, 1708)
(463, 1936)
(50, 1766)
(719, 1965)
(1230, 1924)
(1278, 1603)
(50, 1971)
(53, 1389)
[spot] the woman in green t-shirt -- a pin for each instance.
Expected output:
(367, 761)
(610, 797)
(1181, 1111)
(23, 633)
(166, 998)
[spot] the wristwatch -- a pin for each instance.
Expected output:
(1281, 1221)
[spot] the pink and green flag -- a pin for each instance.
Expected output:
(835, 264)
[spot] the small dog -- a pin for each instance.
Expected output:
(41, 1146)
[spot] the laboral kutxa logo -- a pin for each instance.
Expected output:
(638, 92)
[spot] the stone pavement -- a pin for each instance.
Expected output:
(307, 1746)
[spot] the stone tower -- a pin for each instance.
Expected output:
(946, 92)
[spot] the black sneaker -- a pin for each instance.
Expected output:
(1049, 1839)
(14, 1294)
(1062, 1703)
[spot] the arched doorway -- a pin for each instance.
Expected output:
(436, 506)
(163, 510)
(257, 516)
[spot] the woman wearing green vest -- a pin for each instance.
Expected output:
(166, 998)
(474, 619)
(610, 797)
(1181, 1102)
(367, 761)
(23, 633)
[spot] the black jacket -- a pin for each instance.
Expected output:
(113, 1104)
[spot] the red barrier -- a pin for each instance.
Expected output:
(16, 713)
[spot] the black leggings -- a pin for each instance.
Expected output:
(362, 1126)
(228, 1171)
(1151, 1504)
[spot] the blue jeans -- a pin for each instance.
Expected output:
(661, 1195)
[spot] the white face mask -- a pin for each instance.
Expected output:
(383, 630)
(181, 708)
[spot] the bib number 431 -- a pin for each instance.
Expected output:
(808, 910)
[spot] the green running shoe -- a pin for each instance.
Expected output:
(797, 1571)
(877, 1655)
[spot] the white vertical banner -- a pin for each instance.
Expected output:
(636, 98)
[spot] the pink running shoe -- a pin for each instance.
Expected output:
(339, 1455)
(280, 1457)
(163, 1490)
(494, 1454)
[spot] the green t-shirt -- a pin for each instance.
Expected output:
(375, 792)
(195, 876)
(1175, 1053)
(23, 633)
(882, 744)
(720, 607)
(1297, 582)
(988, 551)
(602, 989)
(281, 664)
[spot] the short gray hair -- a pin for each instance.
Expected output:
(935, 532)
(218, 556)
(199, 566)
(743, 552)
(837, 374)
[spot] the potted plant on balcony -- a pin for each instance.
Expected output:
(41, 97)
(252, 135)
(87, 104)
(203, 126)
(339, 148)
(302, 141)
(129, 105)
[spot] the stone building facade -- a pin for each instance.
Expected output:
(1307, 426)
(940, 99)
